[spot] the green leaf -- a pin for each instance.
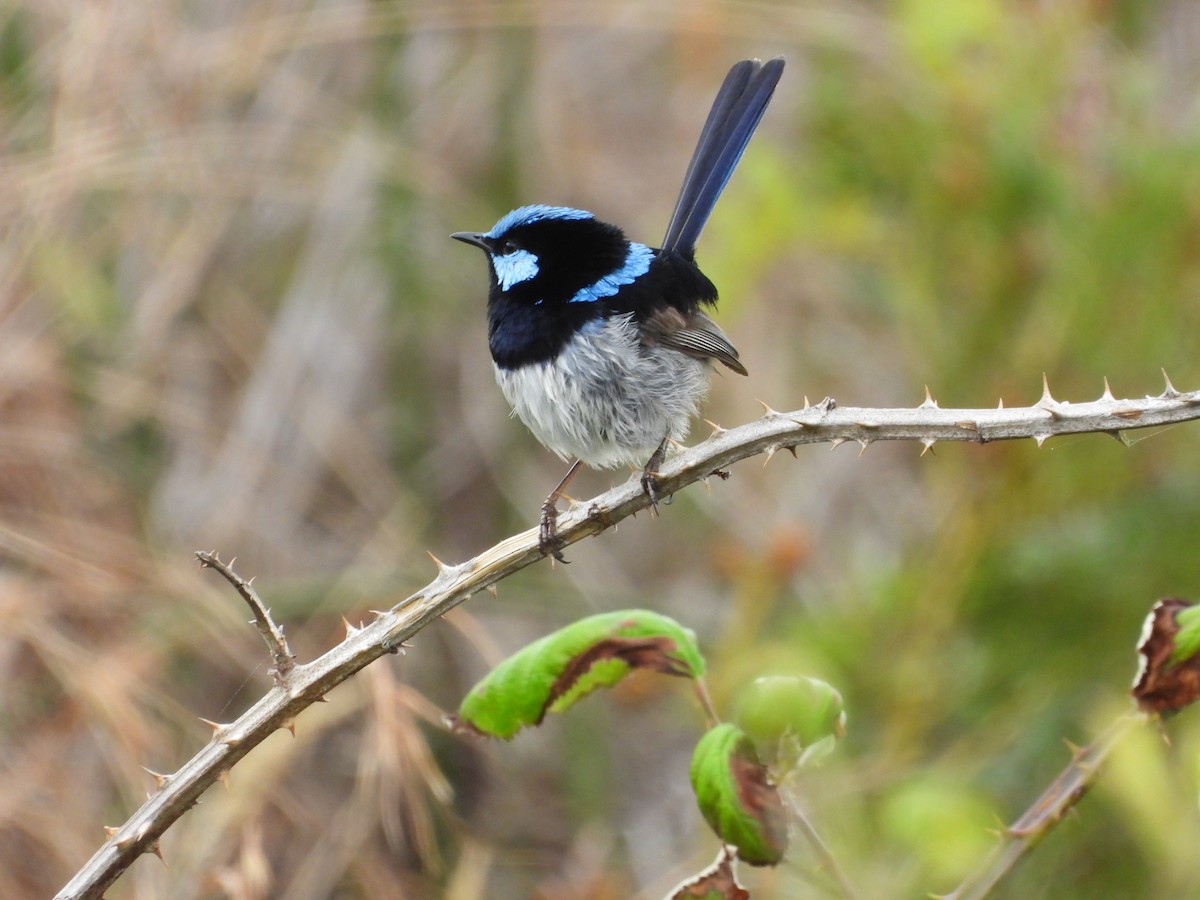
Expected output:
(555, 672)
(736, 798)
(787, 715)
(1187, 639)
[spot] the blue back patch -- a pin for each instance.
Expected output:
(637, 263)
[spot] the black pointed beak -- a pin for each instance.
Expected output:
(471, 237)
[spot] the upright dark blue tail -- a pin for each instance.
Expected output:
(735, 114)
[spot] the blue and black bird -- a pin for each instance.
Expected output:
(602, 344)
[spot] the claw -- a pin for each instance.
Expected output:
(650, 486)
(650, 474)
(548, 541)
(548, 531)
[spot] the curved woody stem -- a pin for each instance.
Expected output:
(300, 684)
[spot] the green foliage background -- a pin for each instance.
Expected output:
(230, 317)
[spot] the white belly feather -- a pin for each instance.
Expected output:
(606, 399)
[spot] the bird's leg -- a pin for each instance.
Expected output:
(548, 528)
(650, 473)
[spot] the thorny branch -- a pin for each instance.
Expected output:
(303, 684)
(271, 633)
(1047, 811)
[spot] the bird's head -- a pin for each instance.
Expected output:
(551, 254)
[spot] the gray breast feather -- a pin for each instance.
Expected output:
(607, 398)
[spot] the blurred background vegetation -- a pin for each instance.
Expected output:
(230, 317)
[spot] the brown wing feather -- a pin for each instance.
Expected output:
(696, 335)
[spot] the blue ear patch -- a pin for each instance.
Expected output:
(637, 263)
(515, 267)
(526, 215)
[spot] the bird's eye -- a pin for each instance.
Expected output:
(509, 246)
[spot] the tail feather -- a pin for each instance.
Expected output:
(735, 114)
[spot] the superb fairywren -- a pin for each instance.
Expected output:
(600, 343)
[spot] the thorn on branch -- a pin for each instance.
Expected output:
(442, 568)
(1047, 399)
(1047, 403)
(159, 778)
(928, 402)
(1108, 394)
(1169, 393)
(219, 732)
(271, 633)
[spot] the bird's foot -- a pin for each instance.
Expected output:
(650, 486)
(548, 540)
(650, 477)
